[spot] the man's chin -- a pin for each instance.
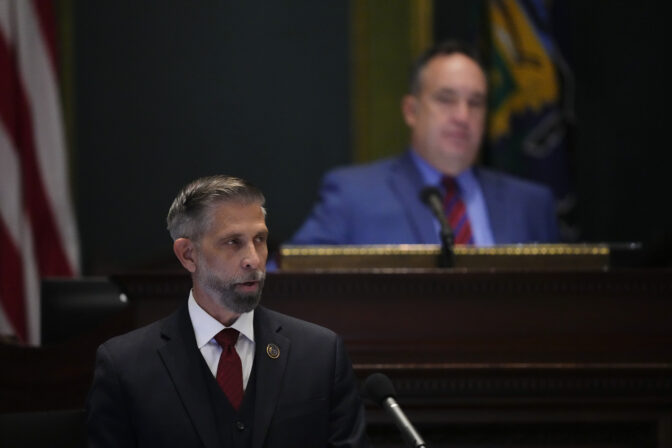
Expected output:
(243, 303)
(458, 159)
(246, 307)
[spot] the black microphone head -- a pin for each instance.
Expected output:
(378, 387)
(427, 192)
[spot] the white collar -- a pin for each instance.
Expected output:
(206, 326)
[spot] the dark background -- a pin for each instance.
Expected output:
(167, 91)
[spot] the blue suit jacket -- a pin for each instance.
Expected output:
(379, 203)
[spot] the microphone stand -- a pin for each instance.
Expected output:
(432, 198)
(447, 257)
(379, 388)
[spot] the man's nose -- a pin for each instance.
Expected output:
(251, 258)
(461, 111)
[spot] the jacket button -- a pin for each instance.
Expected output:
(240, 426)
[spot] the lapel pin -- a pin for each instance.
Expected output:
(272, 351)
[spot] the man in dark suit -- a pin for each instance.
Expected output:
(380, 202)
(222, 371)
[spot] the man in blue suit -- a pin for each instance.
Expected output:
(379, 203)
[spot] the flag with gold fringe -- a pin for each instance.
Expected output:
(531, 107)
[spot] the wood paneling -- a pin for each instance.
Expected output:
(546, 358)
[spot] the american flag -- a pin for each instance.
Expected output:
(38, 236)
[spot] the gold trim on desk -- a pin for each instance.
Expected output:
(530, 256)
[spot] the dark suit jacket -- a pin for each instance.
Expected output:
(379, 203)
(148, 388)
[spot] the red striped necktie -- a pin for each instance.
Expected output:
(230, 369)
(456, 212)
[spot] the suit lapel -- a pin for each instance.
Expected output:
(269, 371)
(182, 360)
(406, 181)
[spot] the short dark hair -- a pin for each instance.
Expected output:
(444, 48)
(187, 217)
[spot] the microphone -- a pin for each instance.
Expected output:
(379, 388)
(431, 196)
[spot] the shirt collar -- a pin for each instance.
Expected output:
(431, 176)
(206, 326)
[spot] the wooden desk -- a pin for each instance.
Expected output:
(527, 358)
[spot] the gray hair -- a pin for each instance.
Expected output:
(188, 215)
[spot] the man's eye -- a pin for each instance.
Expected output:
(444, 99)
(477, 104)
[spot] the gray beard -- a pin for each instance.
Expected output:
(226, 295)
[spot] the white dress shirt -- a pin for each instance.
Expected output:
(205, 329)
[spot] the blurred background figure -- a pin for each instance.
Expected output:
(446, 110)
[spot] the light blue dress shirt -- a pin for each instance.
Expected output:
(472, 196)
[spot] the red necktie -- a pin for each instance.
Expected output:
(456, 212)
(230, 369)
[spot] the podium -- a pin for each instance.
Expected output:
(516, 346)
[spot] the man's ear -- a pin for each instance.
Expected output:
(185, 252)
(409, 108)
